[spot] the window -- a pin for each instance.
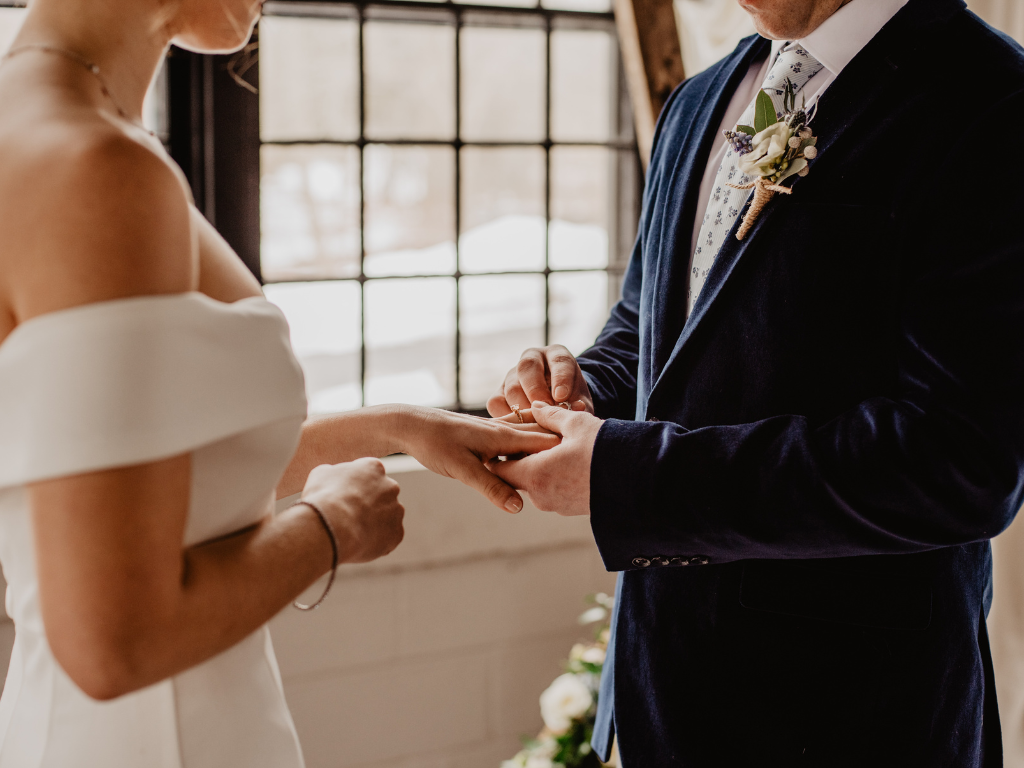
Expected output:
(441, 186)
(10, 21)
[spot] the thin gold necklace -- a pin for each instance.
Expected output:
(79, 59)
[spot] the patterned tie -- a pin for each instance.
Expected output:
(725, 204)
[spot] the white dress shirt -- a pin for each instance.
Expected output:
(834, 44)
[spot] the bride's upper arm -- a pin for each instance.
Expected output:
(101, 217)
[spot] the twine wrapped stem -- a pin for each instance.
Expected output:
(764, 191)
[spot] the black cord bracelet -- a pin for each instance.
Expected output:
(334, 556)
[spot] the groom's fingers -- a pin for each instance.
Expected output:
(551, 417)
(497, 405)
(533, 377)
(564, 373)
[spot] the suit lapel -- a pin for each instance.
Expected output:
(668, 294)
(870, 75)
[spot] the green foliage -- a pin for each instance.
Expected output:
(764, 112)
(574, 750)
(746, 129)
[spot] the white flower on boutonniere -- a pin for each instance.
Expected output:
(773, 149)
(565, 700)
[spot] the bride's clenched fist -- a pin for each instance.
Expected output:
(361, 505)
(544, 374)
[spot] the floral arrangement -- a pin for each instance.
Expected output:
(776, 147)
(569, 704)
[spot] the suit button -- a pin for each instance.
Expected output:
(699, 560)
(641, 562)
(659, 561)
(678, 561)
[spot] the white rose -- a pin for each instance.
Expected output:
(538, 762)
(765, 149)
(591, 615)
(593, 655)
(567, 698)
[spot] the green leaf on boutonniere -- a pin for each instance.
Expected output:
(746, 129)
(764, 112)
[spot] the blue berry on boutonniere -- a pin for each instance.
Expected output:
(777, 146)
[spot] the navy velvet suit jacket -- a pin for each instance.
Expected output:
(800, 481)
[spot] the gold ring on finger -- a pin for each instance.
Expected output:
(515, 410)
(565, 405)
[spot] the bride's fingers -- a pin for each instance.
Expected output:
(496, 490)
(529, 418)
(525, 439)
(514, 420)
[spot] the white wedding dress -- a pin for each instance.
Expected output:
(126, 382)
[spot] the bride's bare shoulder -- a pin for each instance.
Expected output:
(88, 214)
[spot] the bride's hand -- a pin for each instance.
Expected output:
(458, 446)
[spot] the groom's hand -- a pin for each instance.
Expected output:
(558, 480)
(544, 374)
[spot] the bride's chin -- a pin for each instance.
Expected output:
(227, 36)
(211, 43)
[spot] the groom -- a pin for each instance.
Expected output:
(801, 442)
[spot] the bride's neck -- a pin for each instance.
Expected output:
(125, 39)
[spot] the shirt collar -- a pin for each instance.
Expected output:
(842, 35)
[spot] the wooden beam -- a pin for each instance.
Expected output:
(652, 60)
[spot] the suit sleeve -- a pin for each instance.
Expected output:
(610, 366)
(936, 462)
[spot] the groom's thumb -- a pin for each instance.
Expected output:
(551, 417)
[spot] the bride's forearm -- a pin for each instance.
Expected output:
(373, 431)
(117, 636)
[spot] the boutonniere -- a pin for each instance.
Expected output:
(773, 149)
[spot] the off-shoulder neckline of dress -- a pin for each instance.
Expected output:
(109, 303)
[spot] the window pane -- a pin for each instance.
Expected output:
(502, 209)
(10, 23)
(410, 210)
(309, 212)
(582, 66)
(502, 84)
(500, 316)
(580, 206)
(410, 341)
(309, 78)
(579, 308)
(512, 3)
(324, 320)
(410, 80)
(596, 6)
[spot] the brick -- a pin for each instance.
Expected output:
(389, 712)
(356, 625)
(522, 670)
(494, 600)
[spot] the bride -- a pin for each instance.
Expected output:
(150, 410)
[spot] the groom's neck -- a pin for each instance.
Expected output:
(790, 19)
